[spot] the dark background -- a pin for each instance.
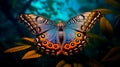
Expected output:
(12, 30)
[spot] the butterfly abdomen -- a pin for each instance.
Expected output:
(60, 37)
(60, 32)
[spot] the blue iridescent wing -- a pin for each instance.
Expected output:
(37, 24)
(83, 22)
(45, 31)
(75, 31)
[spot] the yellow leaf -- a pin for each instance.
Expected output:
(28, 39)
(106, 27)
(61, 63)
(77, 65)
(114, 58)
(20, 43)
(112, 55)
(113, 3)
(67, 65)
(94, 63)
(104, 11)
(31, 54)
(17, 48)
(80, 65)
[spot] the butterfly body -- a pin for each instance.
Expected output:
(66, 38)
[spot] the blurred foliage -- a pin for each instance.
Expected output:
(62, 63)
(106, 27)
(31, 54)
(103, 49)
(18, 48)
(112, 55)
(113, 3)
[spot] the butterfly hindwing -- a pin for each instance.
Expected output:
(47, 42)
(74, 41)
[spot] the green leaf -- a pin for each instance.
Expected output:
(95, 36)
(106, 27)
(14, 3)
(17, 48)
(31, 54)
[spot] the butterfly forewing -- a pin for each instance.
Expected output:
(83, 22)
(37, 24)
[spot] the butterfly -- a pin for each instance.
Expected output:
(66, 38)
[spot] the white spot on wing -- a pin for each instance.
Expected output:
(70, 51)
(75, 49)
(85, 37)
(86, 14)
(37, 39)
(47, 50)
(79, 46)
(40, 18)
(81, 17)
(53, 51)
(39, 44)
(32, 16)
(43, 48)
(83, 42)
(28, 24)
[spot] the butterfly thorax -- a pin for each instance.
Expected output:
(60, 27)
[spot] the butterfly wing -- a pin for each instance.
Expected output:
(45, 31)
(37, 24)
(75, 31)
(74, 41)
(83, 22)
